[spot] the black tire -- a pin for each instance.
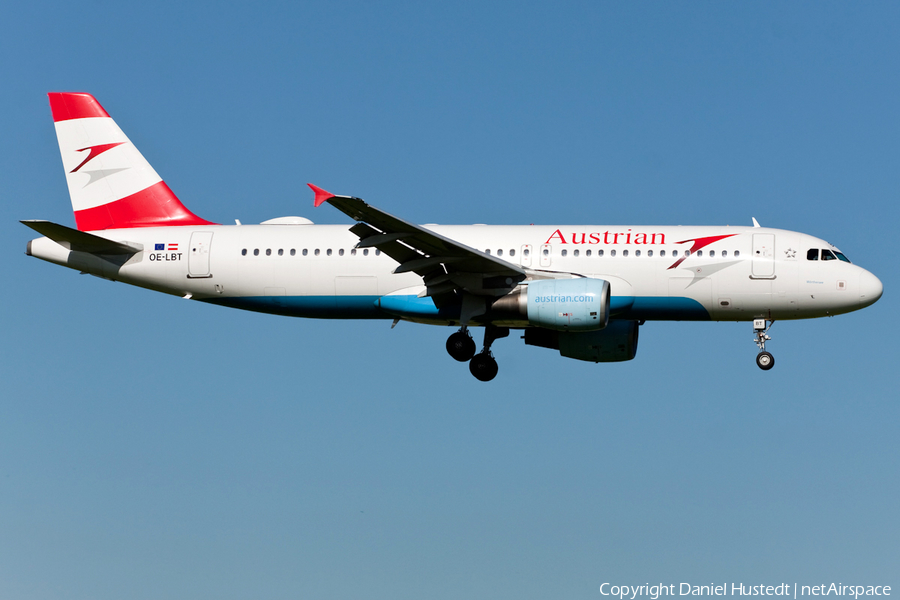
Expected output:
(765, 361)
(483, 367)
(461, 346)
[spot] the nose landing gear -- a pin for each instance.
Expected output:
(764, 360)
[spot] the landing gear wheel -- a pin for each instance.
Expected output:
(483, 367)
(765, 361)
(461, 346)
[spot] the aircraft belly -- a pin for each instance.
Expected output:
(315, 307)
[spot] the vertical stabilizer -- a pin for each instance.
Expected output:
(110, 183)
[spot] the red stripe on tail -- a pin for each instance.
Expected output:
(156, 206)
(67, 106)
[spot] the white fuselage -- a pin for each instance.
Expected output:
(311, 270)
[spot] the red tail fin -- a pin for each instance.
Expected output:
(110, 183)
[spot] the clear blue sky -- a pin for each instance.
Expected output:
(152, 447)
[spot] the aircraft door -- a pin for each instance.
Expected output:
(546, 254)
(763, 266)
(525, 256)
(198, 254)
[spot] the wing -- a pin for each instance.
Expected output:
(447, 266)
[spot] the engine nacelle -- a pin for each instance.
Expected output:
(617, 342)
(558, 304)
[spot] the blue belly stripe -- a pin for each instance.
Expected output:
(413, 306)
(659, 308)
(665, 308)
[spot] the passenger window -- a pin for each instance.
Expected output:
(546, 252)
(812, 254)
(624, 252)
(827, 255)
(305, 252)
(662, 252)
(564, 252)
(587, 252)
(612, 252)
(328, 252)
(737, 253)
(499, 252)
(341, 252)
(724, 253)
(637, 252)
(712, 253)
(649, 252)
(293, 251)
(377, 252)
(600, 252)
(365, 251)
(699, 252)
(575, 253)
(316, 252)
(512, 252)
(256, 252)
(268, 252)
(244, 252)
(352, 251)
(281, 252)
(526, 252)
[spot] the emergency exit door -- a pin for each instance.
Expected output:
(546, 255)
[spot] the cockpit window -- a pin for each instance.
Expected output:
(841, 256)
(812, 254)
(828, 255)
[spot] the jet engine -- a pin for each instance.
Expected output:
(558, 304)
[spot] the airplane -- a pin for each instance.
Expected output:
(583, 290)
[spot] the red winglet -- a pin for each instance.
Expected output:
(321, 195)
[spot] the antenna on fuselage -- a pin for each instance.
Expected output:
(755, 222)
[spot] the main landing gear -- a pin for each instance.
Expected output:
(764, 360)
(461, 347)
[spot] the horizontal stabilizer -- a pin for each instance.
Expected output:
(80, 241)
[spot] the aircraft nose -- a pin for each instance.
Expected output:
(870, 288)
